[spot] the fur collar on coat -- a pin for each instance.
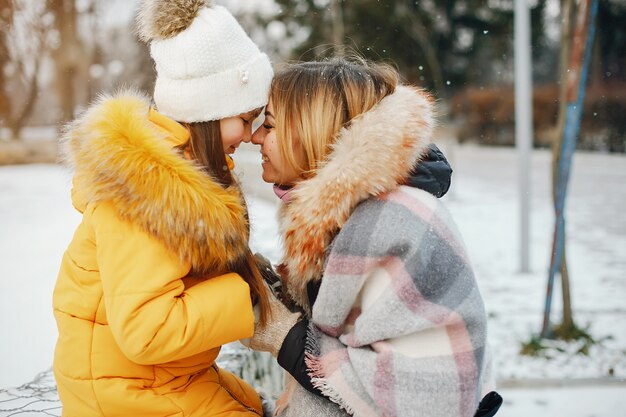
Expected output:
(371, 156)
(120, 156)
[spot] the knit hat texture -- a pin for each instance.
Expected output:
(207, 66)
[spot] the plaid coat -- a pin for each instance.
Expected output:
(398, 327)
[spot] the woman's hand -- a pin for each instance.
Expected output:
(270, 337)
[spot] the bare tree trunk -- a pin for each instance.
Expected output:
(94, 83)
(17, 122)
(566, 36)
(66, 56)
(6, 20)
(568, 316)
(595, 71)
(418, 32)
(338, 28)
(12, 117)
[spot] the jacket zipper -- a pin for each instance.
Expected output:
(219, 380)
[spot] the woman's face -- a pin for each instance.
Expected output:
(275, 170)
(237, 129)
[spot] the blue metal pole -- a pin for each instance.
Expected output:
(570, 137)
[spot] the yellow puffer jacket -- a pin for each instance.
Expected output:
(139, 334)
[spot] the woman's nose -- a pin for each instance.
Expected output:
(258, 136)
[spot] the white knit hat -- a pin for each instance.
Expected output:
(207, 67)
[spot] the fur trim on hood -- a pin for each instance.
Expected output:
(370, 157)
(120, 156)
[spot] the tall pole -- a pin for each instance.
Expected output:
(523, 122)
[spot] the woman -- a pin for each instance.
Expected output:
(159, 274)
(393, 321)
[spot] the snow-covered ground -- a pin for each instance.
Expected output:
(485, 204)
(37, 222)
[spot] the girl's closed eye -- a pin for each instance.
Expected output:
(268, 126)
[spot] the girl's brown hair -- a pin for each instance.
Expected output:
(205, 147)
(314, 100)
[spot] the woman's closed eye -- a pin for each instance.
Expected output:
(268, 126)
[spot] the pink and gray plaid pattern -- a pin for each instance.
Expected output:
(399, 327)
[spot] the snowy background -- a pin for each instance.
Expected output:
(37, 222)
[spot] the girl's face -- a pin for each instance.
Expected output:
(237, 129)
(275, 170)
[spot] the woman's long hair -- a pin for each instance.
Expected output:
(205, 146)
(314, 100)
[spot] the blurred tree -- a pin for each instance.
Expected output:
(23, 46)
(96, 63)
(603, 125)
(611, 41)
(441, 44)
(338, 29)
(567, 23)
(6, 20)
(68, 54)
(128, 61)
(112, 56)
(577, 33)
(608, 64)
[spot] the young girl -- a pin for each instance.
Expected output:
(393, 321)
(159, 274)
